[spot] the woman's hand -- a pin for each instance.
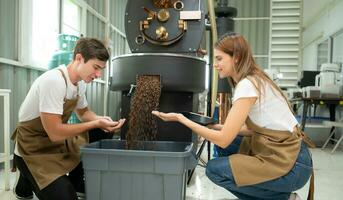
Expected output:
(167, 116)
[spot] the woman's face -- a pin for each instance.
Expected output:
(224, 64)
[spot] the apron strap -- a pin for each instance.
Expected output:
(65, 80)
(310, 195)
(64, 77)
(306, 139)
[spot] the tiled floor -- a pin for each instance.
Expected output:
(328, 181)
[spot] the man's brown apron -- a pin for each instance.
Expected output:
(45, 159)
(266, 155)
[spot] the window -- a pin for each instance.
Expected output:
(71, 18)
(337, 48)
(44, 32)
(323, 53)
(42, 29)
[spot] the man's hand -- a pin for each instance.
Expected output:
(105, 117)
(119, 125)
(106, 124)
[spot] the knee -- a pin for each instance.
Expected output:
(211, 172)
(219, 172)
(214, 171)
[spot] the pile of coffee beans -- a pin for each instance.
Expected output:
(142, 124)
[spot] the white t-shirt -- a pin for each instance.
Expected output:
(47, 95)
(271, 111)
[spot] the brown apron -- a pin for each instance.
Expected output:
(45, 159)
(266, 155)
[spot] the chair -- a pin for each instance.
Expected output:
(334, 125)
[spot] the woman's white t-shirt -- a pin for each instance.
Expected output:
(271, 111)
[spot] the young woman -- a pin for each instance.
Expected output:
(271, 160)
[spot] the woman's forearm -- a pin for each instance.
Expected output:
(217, 127)
(214, 136)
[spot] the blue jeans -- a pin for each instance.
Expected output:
(219, 171)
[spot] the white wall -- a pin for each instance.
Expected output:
(322, 18)
(318, 26)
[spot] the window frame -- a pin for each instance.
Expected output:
(25, 56)
(329, 51)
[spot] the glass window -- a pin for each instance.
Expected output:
(44, 31)
(8, 29)
(71, 18)
(337, 48)
(323, 53)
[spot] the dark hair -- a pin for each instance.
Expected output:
(91, 48)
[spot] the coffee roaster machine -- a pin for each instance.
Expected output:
(164, 37)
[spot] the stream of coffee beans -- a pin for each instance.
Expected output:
(142, 124)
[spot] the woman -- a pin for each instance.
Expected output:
(272, 160)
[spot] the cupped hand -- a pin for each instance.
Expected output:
(119, 125)
(105, 117)
(109, 125)
(167, 116)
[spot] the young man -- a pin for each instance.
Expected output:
(47, 148)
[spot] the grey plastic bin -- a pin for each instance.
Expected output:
(155, 170)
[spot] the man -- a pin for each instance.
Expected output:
(47, 148)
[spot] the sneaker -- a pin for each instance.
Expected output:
(22, 189)
(294, 196)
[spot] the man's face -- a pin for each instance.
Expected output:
(90, 70)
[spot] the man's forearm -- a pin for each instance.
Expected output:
(64, 131)
(86, 115)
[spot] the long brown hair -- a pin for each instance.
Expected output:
(246, 67)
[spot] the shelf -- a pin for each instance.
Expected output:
(289, 78)
(286, 15)
(285, 21)
(285, 36)
(288, 70)
(283, 64)
(285, 7)
(285, 50)
(286, 29)
(285, 1)
(285, 57)
(315, 125)
(296, 42)
(287, 85)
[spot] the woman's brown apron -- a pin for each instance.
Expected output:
(267, 155)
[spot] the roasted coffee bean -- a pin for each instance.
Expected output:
(142, 124)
